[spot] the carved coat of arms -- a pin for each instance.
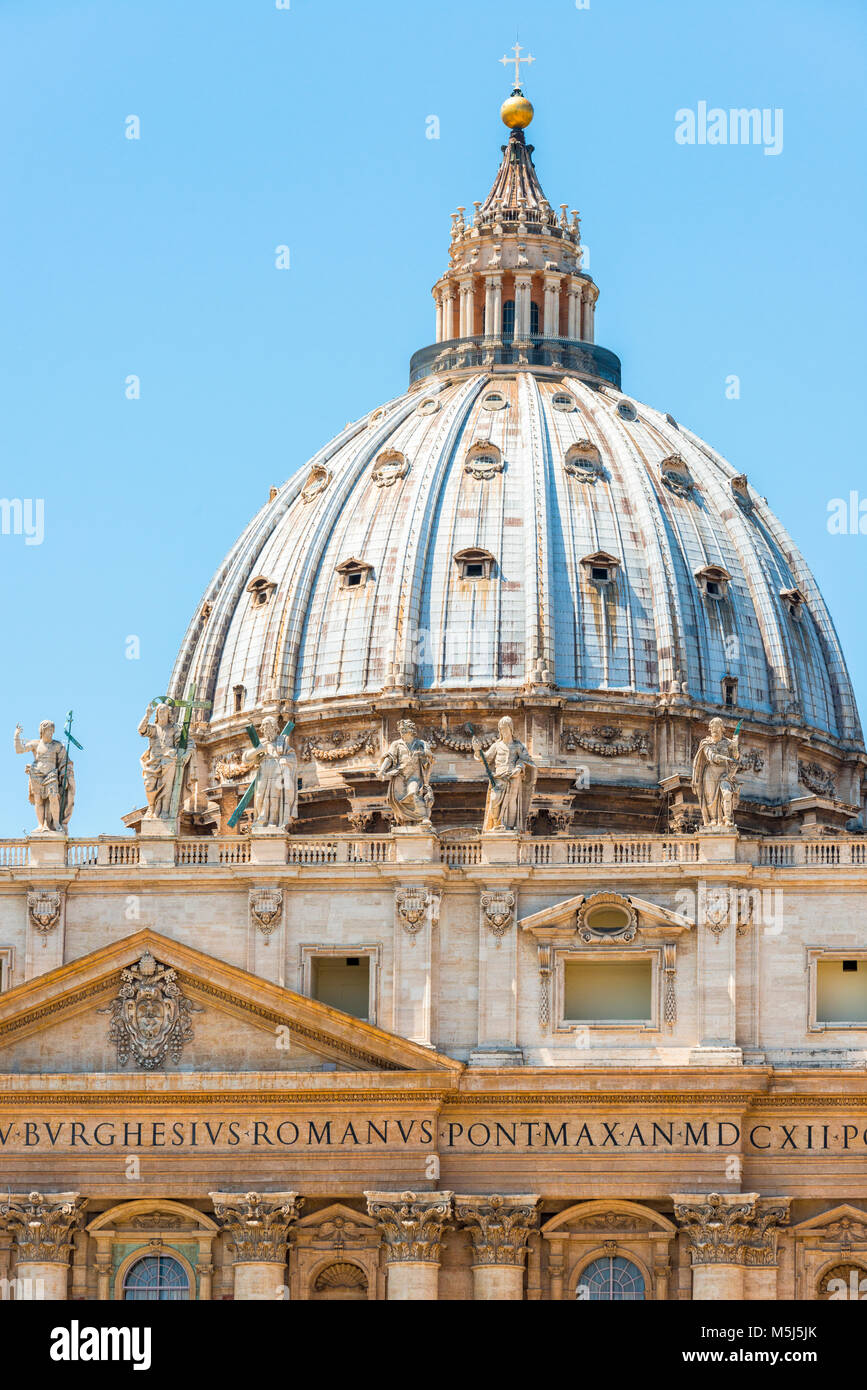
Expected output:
(150, 1017)
(266, 909)
(44, 907)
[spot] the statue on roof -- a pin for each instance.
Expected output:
(714, 779)
(406, 767)
(51, 779)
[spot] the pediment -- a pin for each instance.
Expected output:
(227, 1020)
(608, 1216)
(566, 918)
(835, 1222)
(150, 1215)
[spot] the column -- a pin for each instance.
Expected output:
(730, 1235)
(499, 1228)
(495, 323)
(448, 298)
(43, 1227)
(259, 1227)
(412, 1228)
(589, 315)
(466, 330)
(574, 316)
(552, 306)
(103, 1266)
(438, 299)
(523, 294)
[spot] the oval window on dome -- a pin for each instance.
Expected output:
(494, 400)
(671, 420)
(626, 410)
(378, 416)
(563, 401)
(429, 406)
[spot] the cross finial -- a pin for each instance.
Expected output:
(518, 60)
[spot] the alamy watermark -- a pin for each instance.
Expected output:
(738, 126)
(23, 516)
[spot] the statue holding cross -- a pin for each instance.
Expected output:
(169, 751)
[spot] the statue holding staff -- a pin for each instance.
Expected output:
(714, 778)
(511, 777)
(275, 790)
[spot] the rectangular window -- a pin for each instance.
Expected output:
(608, 991)
(343, 982)
(841, 991)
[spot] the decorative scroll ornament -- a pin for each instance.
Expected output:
(44, 908)
(257, 1224)
(391, 466)
(266, 909)
(499, 1227)
(669, 967)
(817, 779)
(412, 1226)
(317, 481)
(43, 1225)
(546, 960)
(606, 741)
(343, 748)
(150, 1017)
(498, 910)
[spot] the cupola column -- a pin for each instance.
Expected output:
(573, 328)
(493, 304)
(466, 312)
(588, 325)
(438, 297)
(448, 298)
(552, 306)
(523, 291)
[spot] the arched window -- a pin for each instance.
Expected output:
(612, 1278)
(509, 317)
(156, 1278)
(534, 318)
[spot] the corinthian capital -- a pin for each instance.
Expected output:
(499, 1226)
(257, 1223)
(733, 1228)
(412, 1226)
(43, 1226)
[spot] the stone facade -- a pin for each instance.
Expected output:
(477, 966)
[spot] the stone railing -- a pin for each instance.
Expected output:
(642, 849)
(455, 849)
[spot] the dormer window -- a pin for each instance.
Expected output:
(601, 568)
(260, 591)
(740, 489)
(676, 475)
(391, 466)
(795, 603)
(713, 581)
(354, 574)
(475, 563)
(483, 460)
(730, 692)
(583, 461)
(239, 696)
(317, 481)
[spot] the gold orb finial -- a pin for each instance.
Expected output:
(516, 111)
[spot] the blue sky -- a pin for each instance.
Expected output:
(306, 127)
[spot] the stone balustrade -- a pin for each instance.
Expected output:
(456, 851)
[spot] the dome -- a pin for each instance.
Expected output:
(700, 583)
(514, 535)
